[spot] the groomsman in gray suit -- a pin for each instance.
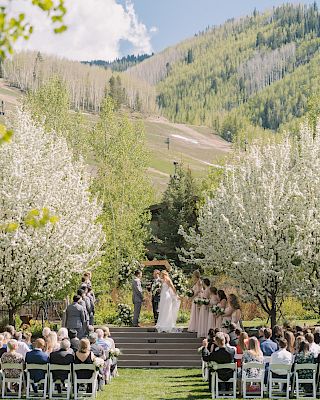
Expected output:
(137, 296)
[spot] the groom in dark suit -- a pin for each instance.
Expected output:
(155, 288)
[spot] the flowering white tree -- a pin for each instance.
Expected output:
(42, 249)
(248, 229)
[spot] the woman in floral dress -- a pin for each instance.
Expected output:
(197, 291)
(304, 356)
(253, 354)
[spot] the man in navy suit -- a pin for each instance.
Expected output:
(37, 356)
(268, 347)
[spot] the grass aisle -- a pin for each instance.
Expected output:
(152, 384)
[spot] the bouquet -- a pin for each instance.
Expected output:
(200, 349)
(226, 324)
(205, 302)
(217, 310)
(155, 288)
(197, 301)
(189, 293)
(98, 362)
(114, 353)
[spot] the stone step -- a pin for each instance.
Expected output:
(177, 340)
(183, 335)
(159, 346)
(156, 357)
(154, 350)
(123, 363)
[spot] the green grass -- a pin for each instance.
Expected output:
(156, 384)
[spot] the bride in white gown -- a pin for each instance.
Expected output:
(169, 305)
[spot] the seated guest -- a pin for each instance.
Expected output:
(37, 356)
(101, 340)
(63, 356)
(107, 336)
(234, 339)
(277, 333)
(84, 356)
(261, 337)
(289, 336)
(299, 339)
(96, 349)
(3, 349)
(23, 348)
(281, 356)
(305, 356)
(268, 346)
(62, 334)
(74, 340)
(253, 354)
(12, 357)
(46, 332)
(317, 335)
(7, 336)
(10, 329)
(222, 355)
(26, 337)
(227, 338)
(314, 348)
(242, 345)
(52, 342)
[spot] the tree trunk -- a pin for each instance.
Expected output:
(273, 316)
(11, 314)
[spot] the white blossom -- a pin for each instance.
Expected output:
(37, 171)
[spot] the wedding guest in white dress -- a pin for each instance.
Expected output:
(169, 305)
(204, 310)
(214, 300)
(197, 290)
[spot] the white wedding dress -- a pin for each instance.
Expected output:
(168, 310)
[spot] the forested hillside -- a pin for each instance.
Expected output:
(256, 72)
(120, 64)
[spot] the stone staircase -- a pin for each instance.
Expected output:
(146, 348)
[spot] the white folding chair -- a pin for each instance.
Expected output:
(5, 379)
(205, 371)
(53, 382)
(215, 381)
(30, 381)
(247, 380)
(298, 381)
(282, 370)
(77, 381)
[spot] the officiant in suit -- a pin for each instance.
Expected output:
(137, 296)
(155, 288)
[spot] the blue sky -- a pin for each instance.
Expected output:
(179, 19)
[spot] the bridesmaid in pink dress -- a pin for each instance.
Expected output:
(236, 316)
(204, 310)
(222, 304)
(214, 300)
(197, 290)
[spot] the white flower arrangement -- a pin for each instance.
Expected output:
(124, 314)
(98, 362)
(197, 301)
(115, 353)
(217, 310)
(205, 302)
(155, 288)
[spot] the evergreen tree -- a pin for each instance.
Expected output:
(179, 209)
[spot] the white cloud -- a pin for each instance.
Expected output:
(154, 29)
(95, 30)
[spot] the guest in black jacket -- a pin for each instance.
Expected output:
(222, 355)
(64, 356)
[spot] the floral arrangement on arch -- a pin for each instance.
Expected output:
(126, 272)
(124, 314)
(179, 280)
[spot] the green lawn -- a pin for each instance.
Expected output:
(156, 384)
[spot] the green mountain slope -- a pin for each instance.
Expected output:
(256, 71)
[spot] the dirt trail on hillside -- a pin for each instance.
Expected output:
(206, 140)
(6, 97)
